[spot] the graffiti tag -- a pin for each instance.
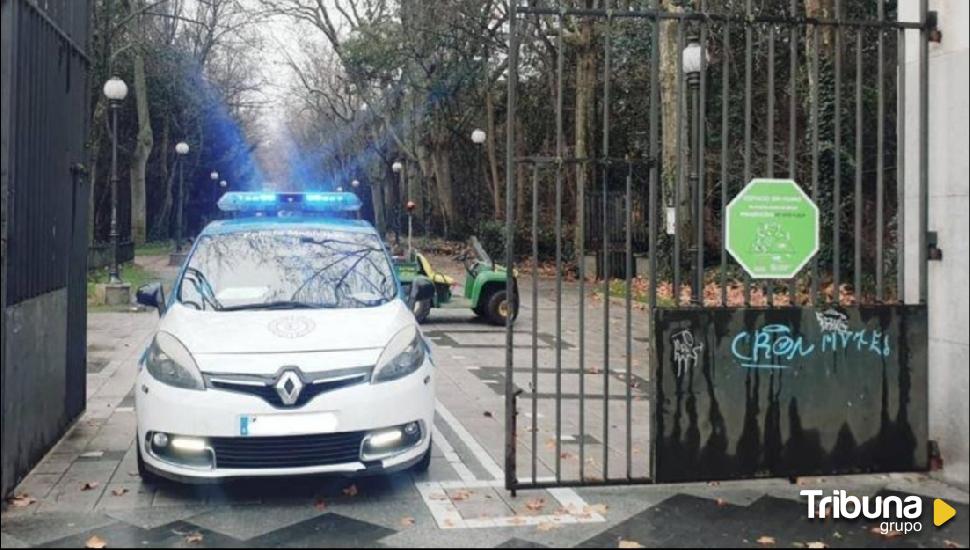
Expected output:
(686, 351)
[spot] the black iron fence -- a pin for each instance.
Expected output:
(45, 202)
(773, 91)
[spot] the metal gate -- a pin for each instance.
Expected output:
(641, 379)
(45, 203)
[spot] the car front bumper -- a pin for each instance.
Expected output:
(214, 415)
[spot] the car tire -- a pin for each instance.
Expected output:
(497, 307)
(421, 310)
(147, 477)
(422, 465)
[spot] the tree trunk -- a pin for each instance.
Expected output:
(162, 226)
(671, 89)
(143, 149)
(585, 117)
(490, 151)
(442, 170)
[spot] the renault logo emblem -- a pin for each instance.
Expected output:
(288, 387)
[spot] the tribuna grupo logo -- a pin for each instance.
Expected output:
(896, 514)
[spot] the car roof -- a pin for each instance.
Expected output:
(269, 223)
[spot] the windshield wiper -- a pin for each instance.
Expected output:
(202, 286)
(278, 304)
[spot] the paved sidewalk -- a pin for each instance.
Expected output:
(87, 490)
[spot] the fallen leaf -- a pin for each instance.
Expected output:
(487, 414)
(119, 492)
(951, 544)
(887, 534)
(595, 509)
(547, 526)
(351, 491)
(817, 544)
(90, 485)
(629, 544)
(765, 540)
(21, 500)
(193, 538)
(461, 494)
(720, 502)
(713, 483)
(407, 521)
(320, 504)
(96, 542)
(536, 504)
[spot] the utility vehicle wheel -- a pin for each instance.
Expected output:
(498, 307)
(422, 309)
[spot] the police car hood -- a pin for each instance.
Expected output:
(286, 331)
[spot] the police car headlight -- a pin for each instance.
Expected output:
(169, 362)
(403, 355)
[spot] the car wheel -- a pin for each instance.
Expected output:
(498, 307)
(421, 310)
(422, 465)
(146, 475)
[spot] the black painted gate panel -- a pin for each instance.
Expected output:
(785, 392)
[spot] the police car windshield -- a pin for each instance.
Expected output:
(287, 269)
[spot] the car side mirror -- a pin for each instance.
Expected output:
(151, 295)
(421, 290)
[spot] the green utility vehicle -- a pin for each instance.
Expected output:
(484, 290)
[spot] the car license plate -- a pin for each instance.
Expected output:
(287, 424)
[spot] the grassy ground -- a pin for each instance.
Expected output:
(131, 273)
(154, 248)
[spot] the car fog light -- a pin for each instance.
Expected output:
(390, 441)
(160, 440)
(188, 444)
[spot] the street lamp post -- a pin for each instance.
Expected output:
(214, 176)
(398, 169)
(692, 64)
(478, 138)
(115, 90)
(181, 149)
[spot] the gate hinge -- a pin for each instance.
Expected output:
(933, 251)
(934, 34)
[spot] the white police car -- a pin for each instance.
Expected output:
(286, 348)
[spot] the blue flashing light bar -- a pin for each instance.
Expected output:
(310, 202)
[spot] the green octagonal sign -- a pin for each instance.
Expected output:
(772, 228)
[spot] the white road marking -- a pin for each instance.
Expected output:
(571, 508)
(450, 455)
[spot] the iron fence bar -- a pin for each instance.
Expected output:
(61, 34)
(747, 125)
(749, 19)
(565, 159)
(653, 139)
(880, 165)
(535, 315)
(511, 479)
(924, 150)
(857, 199)
(653, 134)
(769, 286)
(900, 164)
(588, 483)
(679, 180)
(607, 43)
(559, 151)
(700, 165)
(814, 98)
(629, 320)
(725, 129)
(837, 168)
(792, 121)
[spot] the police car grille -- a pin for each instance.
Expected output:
(296, 451)
(267, 389)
